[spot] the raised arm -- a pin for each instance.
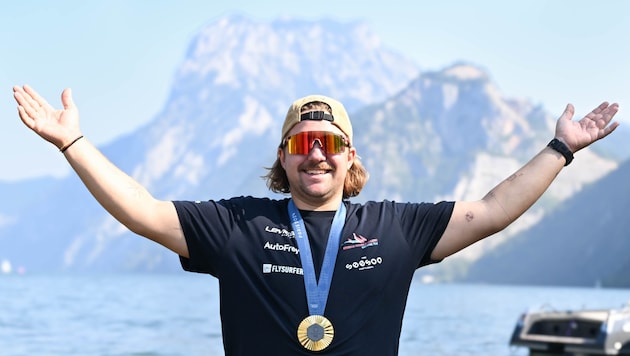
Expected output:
(475, 220)
(123, 197)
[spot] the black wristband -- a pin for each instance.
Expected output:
(563, 149)
(64, 148)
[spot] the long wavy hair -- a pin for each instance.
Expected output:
(357, 176)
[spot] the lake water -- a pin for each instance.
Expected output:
(178, 315)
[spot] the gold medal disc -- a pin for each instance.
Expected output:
(315, 332)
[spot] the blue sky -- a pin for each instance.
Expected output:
(119, 56)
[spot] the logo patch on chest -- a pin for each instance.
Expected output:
(358, 241)
(281, 247)
(279, 231)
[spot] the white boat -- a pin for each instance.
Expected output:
(583, 332)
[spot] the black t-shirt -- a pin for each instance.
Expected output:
(249, 245)
(318, 225)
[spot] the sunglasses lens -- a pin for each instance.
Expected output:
(298, 144)
(334, 143)
(302, 143)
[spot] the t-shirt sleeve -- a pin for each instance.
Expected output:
(423, 224)
(206, 226)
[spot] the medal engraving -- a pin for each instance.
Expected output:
(315, 333)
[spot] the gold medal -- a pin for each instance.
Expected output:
(315, 332)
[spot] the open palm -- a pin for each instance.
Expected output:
(592, 127)
(58, 126)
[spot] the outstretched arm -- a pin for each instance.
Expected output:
(123, 197)
(475, 220)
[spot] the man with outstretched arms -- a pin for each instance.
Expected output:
(313, 273)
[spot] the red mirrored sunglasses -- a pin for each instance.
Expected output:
(303, 142)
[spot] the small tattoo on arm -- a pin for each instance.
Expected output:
(469, 216)
(513, 177)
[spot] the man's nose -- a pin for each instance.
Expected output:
(317, 149)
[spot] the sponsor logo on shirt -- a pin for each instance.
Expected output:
(281, 247)
(271, 268)
(364, 263)
(281, 232)
(357, 241)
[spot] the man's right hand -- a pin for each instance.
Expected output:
(58, 126)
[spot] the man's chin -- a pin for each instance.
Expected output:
(316, 194)
(316, 191)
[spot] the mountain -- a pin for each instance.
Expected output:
(451, 135)
(20, 195)
(582, 243)
(616, 146)
(444, 134)
(217, 131)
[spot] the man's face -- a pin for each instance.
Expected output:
(317, 178)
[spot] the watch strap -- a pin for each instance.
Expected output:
(559, 146)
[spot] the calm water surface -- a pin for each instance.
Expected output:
(178, 314)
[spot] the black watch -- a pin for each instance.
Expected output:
(563, 149)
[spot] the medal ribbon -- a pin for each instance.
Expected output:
(317, 292)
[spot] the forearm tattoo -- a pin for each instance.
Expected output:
(513, 177)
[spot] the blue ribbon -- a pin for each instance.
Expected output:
(317, 292)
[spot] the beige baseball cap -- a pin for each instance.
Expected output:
(338, 118)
